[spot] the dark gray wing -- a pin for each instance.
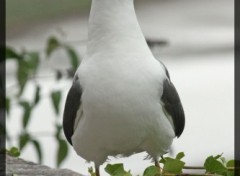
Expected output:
(72, 105)
(173, 106)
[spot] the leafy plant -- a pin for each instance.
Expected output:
(53, 44)
(27, 69)
(219, 165)
(91, 171)
(116, 170)
(173, 165)
(152, 171)
(214, 165)
(13, 152)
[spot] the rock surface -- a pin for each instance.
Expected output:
(20, 167)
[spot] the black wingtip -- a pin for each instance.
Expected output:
(173, 106)
(72, 105)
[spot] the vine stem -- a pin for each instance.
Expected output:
(194, 167)
(202, 168)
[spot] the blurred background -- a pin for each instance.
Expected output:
(47, 40)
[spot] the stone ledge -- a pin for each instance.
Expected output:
(20, 167)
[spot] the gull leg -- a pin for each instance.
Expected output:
(97, 171)
(158, 165)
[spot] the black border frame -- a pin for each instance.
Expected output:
(2, 87)
(236, 79)
(237, 83)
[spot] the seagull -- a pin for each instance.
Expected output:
(122, 100)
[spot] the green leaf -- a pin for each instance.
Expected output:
(27, 66)
(223, 160)
(180, 155)
(173, 166)
(22, 75)
(116, 170)
(37, 95)
(10, 53)
(24, 138)
(56, 97)
(58, 131)
(62, 151)
(231, 173)
(218, 156)
(91, 172)
(151, 171)
(33, 61)
(8, 104)
(37, 146)
(212, 165)
(73, 57)
(14, 152)
(52, 45)
(163, 160)
(231, 163)
(27, 112)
